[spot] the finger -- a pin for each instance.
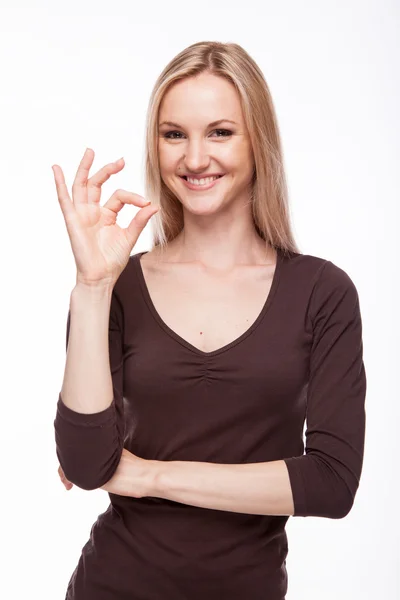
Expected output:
(139, 222)
(64, 198)
(68, 484)
(96, 181)
(79, 192)
(121, 197)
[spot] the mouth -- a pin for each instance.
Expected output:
(201, 184)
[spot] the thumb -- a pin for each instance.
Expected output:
(140, 221)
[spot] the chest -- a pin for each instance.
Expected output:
(208, 311)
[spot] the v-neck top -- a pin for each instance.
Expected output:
(300, 363)
(179, 339)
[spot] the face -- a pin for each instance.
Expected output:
(193, 147)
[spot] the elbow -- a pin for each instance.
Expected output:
(331, 503)
(89, 475)
(319, 490)
(80, 479)
(88, 446)
(339, 494)
(339, 505)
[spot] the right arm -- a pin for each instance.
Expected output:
(87, 384)
(89, 419)
(89, 423)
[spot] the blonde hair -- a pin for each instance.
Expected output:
(269, 197)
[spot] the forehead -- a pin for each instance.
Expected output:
(204, 97)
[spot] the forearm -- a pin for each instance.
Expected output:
(87, 384)
(254, 488)
(88, 428)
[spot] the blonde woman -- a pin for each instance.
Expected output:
(192, 368)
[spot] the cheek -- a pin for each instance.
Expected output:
(245, 152)
(237, 156)
(167, 158)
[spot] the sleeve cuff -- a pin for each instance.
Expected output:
(296, 481)
(98, 419)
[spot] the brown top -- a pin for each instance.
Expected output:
(243, 403)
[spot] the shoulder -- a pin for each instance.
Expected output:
(320, 272)
(326, 288)
(332, 278)
(334, 296)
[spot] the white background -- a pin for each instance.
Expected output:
(79, 74)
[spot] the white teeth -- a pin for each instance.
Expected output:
(203, 181)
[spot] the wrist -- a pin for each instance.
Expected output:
(154, 474)
(92, 292)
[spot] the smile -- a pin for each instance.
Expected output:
(204, 183)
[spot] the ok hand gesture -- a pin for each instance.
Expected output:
(101, 248)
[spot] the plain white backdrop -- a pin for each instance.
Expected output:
(79, 74)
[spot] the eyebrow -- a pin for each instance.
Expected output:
(213, 124)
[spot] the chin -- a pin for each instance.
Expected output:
(203, 206)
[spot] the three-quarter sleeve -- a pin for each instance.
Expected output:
(325, 479)
(89, 446)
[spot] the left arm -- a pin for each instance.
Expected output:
(322, 482)
(255, 488)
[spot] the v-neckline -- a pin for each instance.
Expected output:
(181, 340)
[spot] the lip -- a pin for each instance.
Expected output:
(200, 188)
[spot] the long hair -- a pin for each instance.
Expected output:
(269, 195)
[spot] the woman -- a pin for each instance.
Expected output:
(192, 367)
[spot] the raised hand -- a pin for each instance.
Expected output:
(101, 248)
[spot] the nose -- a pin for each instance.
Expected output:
(196, 158)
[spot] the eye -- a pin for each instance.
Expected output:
(170, 135)
(226, 131)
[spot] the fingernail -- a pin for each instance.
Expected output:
(147, 204)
